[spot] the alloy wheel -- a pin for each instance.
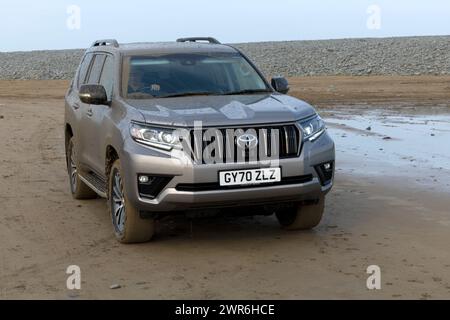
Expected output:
(118, 202)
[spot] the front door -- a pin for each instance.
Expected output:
(92, 121)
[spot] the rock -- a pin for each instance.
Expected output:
(73, 295)
(369, 128)
(375, 56)
(387, 138)
(115, 286)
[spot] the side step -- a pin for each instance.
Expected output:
(95, 182)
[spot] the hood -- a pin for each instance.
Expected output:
(223, 110)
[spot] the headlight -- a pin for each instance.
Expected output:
(312, 128)
(162, 138)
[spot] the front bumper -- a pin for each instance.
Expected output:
(138, 159)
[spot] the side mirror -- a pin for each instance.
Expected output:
(93, 94)
(280, 84)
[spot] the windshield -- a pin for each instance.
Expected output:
(189, 74)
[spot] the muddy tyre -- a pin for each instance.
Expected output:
(128, 226)
(302, 217)
(78, 188)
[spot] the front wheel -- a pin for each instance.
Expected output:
(302, 217)
(128, 226)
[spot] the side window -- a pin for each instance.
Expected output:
(84, 69)
(107, 77)
(96, 69)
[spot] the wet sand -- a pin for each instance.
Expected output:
(408, 144)
(389, 208)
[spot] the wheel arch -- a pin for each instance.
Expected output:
(68, 134)
(110, 156)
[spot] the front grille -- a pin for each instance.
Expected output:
(286, 137)
(211, 186)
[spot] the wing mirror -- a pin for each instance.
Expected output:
(93, 94)
(280, 84)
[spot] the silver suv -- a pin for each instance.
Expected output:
(191, 127)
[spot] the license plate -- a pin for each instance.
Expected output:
(252, 176)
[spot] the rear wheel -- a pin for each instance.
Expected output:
(128, 226)
(78, 188)
(302, 217)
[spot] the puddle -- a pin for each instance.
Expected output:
(411, 143)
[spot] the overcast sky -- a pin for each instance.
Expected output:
(49, 24)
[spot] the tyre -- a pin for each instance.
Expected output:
(128, 226)
(302, 217)
(78, 188)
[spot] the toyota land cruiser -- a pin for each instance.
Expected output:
(191, 127)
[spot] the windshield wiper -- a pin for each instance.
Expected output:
(209, 93)
(186, 94)
(247, 91)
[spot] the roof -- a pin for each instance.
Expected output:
(187, 45)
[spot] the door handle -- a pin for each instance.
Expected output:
(89, 112)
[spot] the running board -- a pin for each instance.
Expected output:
(96, 183)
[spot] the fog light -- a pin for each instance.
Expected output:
(325, 172)
(150, 186)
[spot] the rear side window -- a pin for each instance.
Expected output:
(84, 69)
(107, 77)
(96, 69)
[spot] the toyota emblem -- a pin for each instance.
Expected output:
(247, 141)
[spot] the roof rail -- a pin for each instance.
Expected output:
(195, 39)
(106, 42)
